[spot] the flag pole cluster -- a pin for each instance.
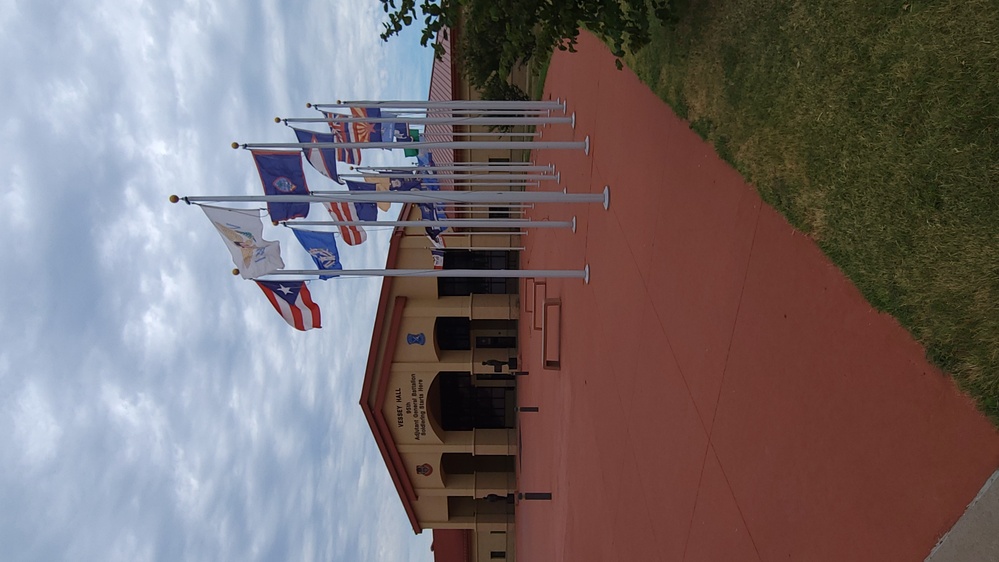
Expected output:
(365, 124)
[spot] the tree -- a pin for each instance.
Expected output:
(499, 35)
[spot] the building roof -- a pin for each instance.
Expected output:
(373, 398)
(442, 84)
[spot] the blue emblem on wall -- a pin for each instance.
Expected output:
(416, 339)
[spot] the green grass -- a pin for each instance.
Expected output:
(537, 71)
(873, 127)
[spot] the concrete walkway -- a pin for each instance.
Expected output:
(724, 392)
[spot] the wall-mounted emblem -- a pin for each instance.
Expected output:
(416, 339)
(424, 469)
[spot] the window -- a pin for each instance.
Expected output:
(465, 407)
(453, 333)
(495, 342)
(480, 259)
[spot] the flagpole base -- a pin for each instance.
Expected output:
(573, 119)
(586, 148)
(573, 224)
(606, 197)
(558, 177)
(586, 274)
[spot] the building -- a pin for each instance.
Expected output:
(439, 388)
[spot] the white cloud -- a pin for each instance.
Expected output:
(155, 407)
(36, 430)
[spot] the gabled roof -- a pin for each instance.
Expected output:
(372, 398)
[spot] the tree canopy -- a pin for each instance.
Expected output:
(499, 35)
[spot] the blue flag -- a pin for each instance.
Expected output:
(281, 173)
(397, 131)
(322, 247)
(425, 160)
(322, 159)
(364, 211)
(405, 184)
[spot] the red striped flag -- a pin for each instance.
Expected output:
(342, 133)
(352, 235)
(293, 302)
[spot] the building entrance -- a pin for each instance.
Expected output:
(465, 406)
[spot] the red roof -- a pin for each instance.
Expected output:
(442, 83)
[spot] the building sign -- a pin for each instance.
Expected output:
(416, 339)
(424, 469)
(411, 407)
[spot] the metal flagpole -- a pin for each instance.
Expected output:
(419, 196)
(482, 233)
(490, 120)
(480, 112)
(500, 163)
(502, 134)
(484, 207)
(459, 145)
(455, 104)
(457, 183)
(583, 274)
(499, 176)
(454, 168)
(451, 223)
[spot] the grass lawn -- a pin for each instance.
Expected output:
(874, 127)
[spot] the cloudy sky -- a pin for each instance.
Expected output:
(153, 406)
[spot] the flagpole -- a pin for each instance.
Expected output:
(478, 112)
(453, 104)
(583, 274)
(458, 183)
(458, 145)
(502, 134)
(418, 196)
(453, 234)
(450, 223)
(494, 176)
(485, 167)
(460, 119)
(509, 208)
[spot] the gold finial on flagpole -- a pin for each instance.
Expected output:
(277, 119)
(235, 271)
(235, 144)
(174, 199)
(307, 104)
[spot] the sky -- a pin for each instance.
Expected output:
(152, 405)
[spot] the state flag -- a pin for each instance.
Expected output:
(292, 300)
(243, 233)
(342, 133)
(322, 247)
(366, 131)
(322, 159)
(281, 173)
(397, 131)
